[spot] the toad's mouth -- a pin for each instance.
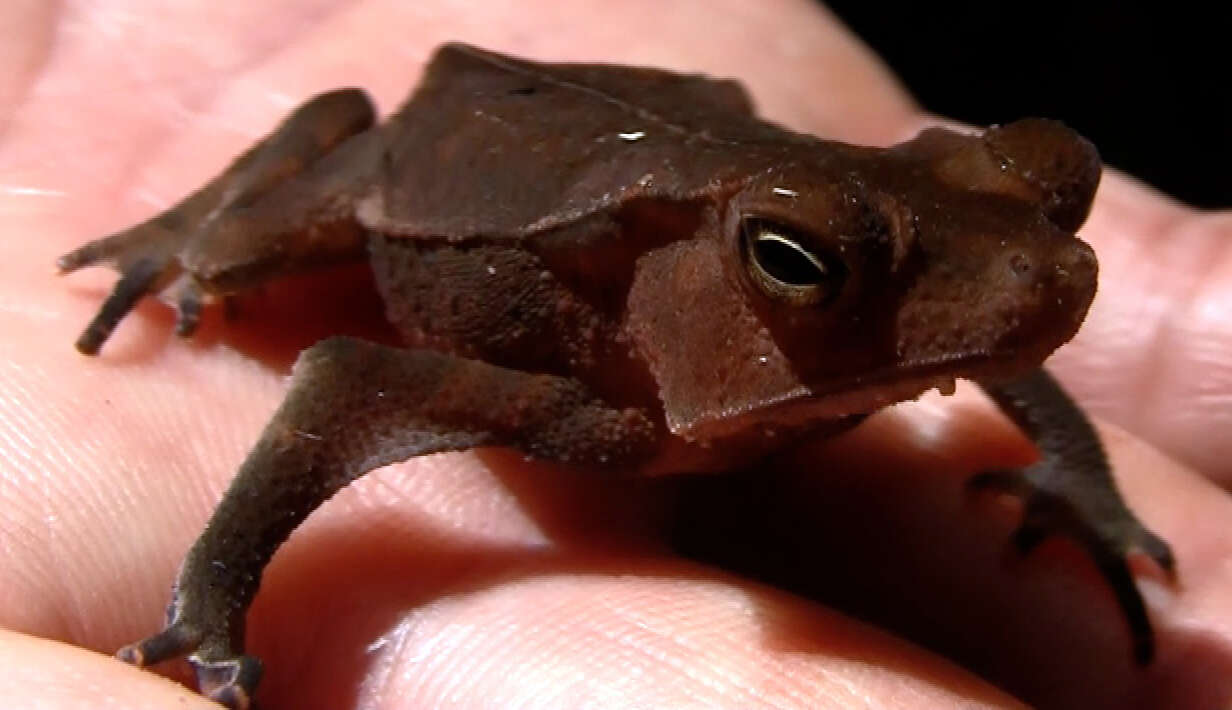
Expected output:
(805, 406)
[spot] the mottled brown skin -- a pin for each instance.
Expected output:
(625, 269)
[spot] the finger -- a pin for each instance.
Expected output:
(1161, 316)
(567, 629)
(56, 676)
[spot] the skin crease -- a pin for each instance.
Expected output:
(476, 580)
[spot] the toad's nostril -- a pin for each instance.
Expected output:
(1021, 265)
(1071, 267)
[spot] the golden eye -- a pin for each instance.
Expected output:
(787, 270)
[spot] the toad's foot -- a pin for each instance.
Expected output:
(223, 676)
(274, 208)
(353, 407)
(1108, 535)
(146, 257)
(1070, 491)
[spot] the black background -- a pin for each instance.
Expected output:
(1152, 88)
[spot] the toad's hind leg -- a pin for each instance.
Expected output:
(280, 205)
(354, 406)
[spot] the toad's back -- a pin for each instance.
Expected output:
(499, 147)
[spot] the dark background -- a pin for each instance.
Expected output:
(1152, 88)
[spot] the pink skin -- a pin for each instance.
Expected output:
(478, 580)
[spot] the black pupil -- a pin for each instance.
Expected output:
(786, 263)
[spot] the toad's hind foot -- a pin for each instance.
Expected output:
(224, 676)
(141, 256)
(242, 227)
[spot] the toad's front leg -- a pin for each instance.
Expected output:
(354, 406)
(1070, 492)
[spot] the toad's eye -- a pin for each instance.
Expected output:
(785, 268)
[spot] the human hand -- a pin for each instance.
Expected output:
(479, 580)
